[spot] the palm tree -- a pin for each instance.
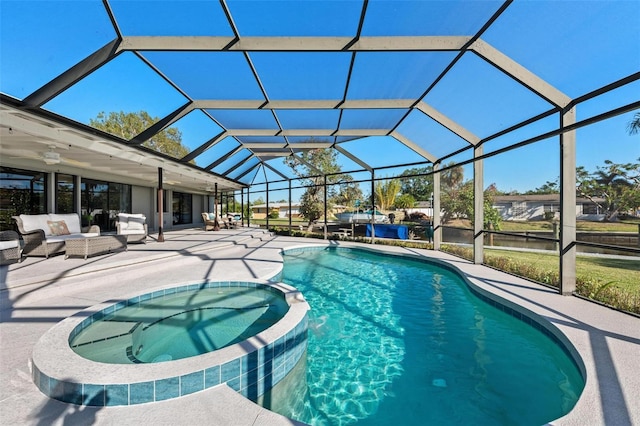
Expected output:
(386, 192)
(633, 126)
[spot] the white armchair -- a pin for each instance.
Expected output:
(134, 226)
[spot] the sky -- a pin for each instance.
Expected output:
(575, 46)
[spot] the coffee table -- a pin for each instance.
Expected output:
(92, 246)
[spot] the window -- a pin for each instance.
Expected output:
(65, 194)
(21, 192)
(181, 208)
(102, 201)
(518, 209)
(553, 208)
(590, 208)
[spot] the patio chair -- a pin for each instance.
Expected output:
(10, 250)
(134, 226)
(210, 222)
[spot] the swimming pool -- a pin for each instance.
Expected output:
(397, 340)
(178, 325)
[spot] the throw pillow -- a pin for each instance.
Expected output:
(58, 227)
(212, 216)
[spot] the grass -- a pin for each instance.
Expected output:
(614, 282)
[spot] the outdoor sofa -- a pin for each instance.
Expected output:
(45, 234)
(134, 226)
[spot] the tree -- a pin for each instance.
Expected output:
(128, 125)
(311, 167)
(549, 187)
(348, 192)
(386, 192)
(415, 183)
(633, 127)
(452, 178)
(404, 201)
(615, 188)
(460, 203)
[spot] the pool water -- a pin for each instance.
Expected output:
(399, 341)
(180, 325)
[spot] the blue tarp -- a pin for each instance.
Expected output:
(400, 232)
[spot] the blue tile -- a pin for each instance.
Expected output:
(190, 383)
(212, 376)
(69, 392)
(117, 395)
(250, 378)
(140, 393)
(234, 384)
(35, 376)
(167, 388)
(93, 395)
(230, 370)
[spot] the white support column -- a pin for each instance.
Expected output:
(478, 206)
(437, 231)
(568, 204)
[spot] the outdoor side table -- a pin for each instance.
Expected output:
(92, 246)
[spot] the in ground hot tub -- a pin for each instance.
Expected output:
(174, 342)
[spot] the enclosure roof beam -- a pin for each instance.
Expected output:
(520, 73)
(448, 123)
(293, 44)
(353, 158)
(413, 146)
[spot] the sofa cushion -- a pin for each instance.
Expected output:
(31, 222)
(71, 219)
(136, 223)
(9, 244)
(58, 227)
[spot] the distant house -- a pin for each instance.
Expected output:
(260, 211)
(543, 206)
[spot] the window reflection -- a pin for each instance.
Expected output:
(102, 201)
(21, 192)
(65, 194)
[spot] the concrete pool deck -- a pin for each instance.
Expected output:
(38, 293)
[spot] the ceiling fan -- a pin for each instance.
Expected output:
(50, 157)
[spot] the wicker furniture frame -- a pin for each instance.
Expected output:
(210, 225)
(92, 246)
(13, 254)
(35, 242)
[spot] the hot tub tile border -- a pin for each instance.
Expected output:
(251, 374)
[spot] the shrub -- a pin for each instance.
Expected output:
(418, 216)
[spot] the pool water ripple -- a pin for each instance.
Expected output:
(398, 341)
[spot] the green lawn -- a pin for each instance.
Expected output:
(624, 273)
